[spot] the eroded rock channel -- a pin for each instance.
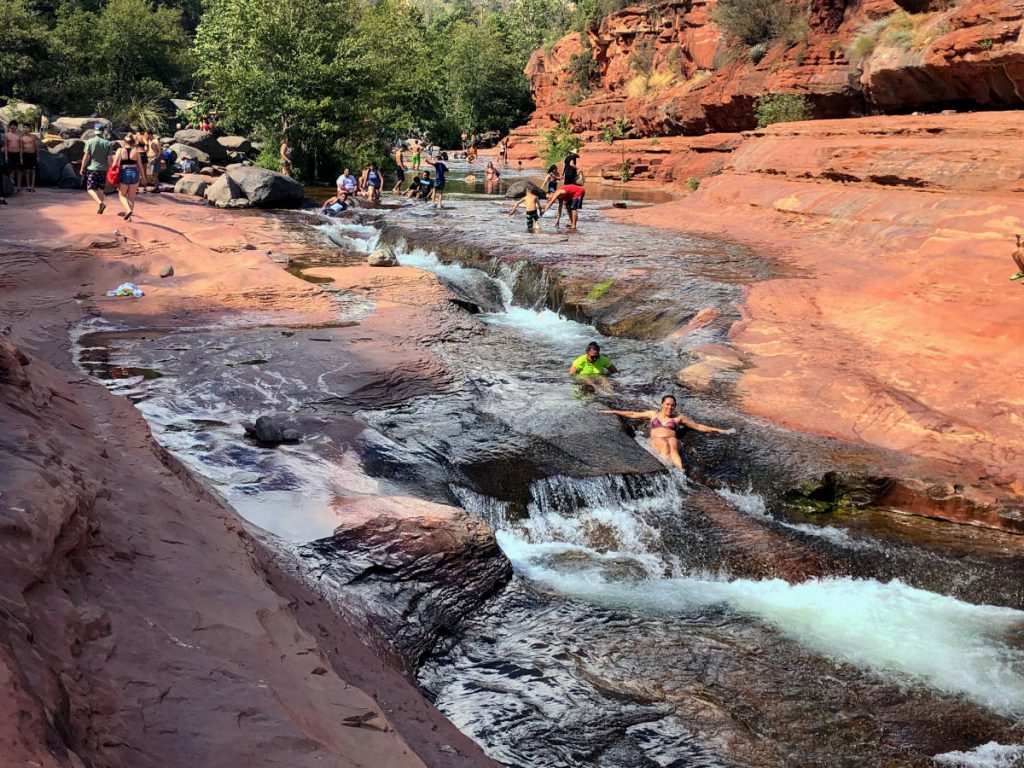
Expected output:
(558, 593)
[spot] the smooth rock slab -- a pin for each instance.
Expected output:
(416, 569)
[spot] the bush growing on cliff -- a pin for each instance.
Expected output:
(582, 70)
(641, 58)
(559, 142)
(759, 21)
(781, 108)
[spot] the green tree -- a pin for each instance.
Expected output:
(22, 47)
(136, 54)
(482, 86)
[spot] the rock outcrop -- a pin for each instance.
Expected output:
(856, 58)
(194, 184)
(201, 141)
(417, 568)
(74, 127)
(266, 189)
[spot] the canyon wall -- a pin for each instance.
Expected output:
(856, 57)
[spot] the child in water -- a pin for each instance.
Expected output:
(532, 209)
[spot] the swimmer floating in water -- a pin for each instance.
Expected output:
(664, 423)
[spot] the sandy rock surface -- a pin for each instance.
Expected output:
(138, 625)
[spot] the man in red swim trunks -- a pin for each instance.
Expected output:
(572, 195)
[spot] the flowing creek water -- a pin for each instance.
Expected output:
(651, 621)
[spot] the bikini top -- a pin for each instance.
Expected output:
(657, 423)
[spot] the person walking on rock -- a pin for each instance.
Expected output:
(95, 162)
(372, 183)
(532, 203)
(155, 154)
(1018, 258)
(133, 172)
(30, 145)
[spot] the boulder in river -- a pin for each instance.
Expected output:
(383, 256)
(415, 567)
(267, 430)
(204, 141)
(518, 189)
(235, 144)
(194, 184)
(266, 189)
(74, 127)
(225, 193)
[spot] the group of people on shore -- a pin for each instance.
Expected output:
(665, 422)
(19, 158)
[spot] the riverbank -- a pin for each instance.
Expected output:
(139, 625)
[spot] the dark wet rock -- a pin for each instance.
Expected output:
(416, 569)
(194, 184)
(74, 127)
(618, 204)
(225, 193)
(266, 189)
(518, 189)
(290, 435)
(235, 144)
(167, 271)
(266, 430)
(74, 149)
(383, 256)
(69, 178)
(203, 141)
(51, 168)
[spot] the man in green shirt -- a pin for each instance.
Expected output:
(95, 162)
(592, 363)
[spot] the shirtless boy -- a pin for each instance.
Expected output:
(532, 209)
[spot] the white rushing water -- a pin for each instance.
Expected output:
(753, 504)
(904, 634)
(525, 321)
(990, 755)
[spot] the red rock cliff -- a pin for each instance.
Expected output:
(968, 55)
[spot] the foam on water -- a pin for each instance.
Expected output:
(990, 755)
(952, 646)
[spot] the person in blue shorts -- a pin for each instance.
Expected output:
(440, 169)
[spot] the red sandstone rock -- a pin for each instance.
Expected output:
(896, 325)
(968, 55)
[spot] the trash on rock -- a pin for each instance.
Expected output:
(127, 289)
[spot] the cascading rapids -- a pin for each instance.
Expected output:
(597, 540)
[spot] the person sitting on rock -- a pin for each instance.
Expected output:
(346, 185)
(333, 206)
(664, 423)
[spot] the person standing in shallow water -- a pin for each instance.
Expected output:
(399, 157)
(664, 423)
(532, 203)
(285, 153)
(440, 169)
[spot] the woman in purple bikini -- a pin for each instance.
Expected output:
(664, 424)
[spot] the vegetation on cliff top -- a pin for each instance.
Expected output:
(344, 77)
